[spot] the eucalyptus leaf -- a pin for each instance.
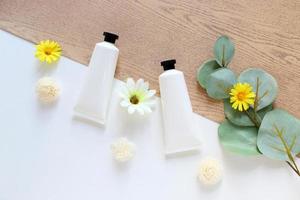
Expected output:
(238, 139)
(219, 83)
(223, 50)
(205, 70)
(279, 135)
(241, 118)
(264, 82)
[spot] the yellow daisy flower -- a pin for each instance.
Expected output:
(242, 96)
(48, 51)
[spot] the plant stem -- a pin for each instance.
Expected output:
(294, 168)
(255, 116)
(253, 119)
(293, 165)
(256, 95)
(223, 56)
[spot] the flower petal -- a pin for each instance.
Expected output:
(146, 86)
(146, 108)
(130, 84)
(125, 103)
(235, 105)
(245, 105)
(150, 103)
(240, 107)
(131, 109)
(150, 94)
(139, 84)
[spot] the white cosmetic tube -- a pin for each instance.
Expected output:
(94, 98)
(178, 123)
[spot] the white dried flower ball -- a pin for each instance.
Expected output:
(123, 150)
(47, 90)
(210, 171)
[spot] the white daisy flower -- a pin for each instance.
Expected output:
(210, 171)
(47, 90)
(136, 96)
(123, 150)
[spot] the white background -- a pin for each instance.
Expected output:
(45, 154)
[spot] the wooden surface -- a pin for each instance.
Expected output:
(266, 35)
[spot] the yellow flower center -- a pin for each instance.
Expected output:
(134, 99)
(241, 96)
(48, 51)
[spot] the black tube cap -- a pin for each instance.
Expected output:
(110, 37)
(168, 64)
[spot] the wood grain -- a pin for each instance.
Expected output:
(266, 35)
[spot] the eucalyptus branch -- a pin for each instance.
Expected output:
(256, 94)
(294, 168)
(262, 96)
(257, 118)
(257, 98)
(293, 165)
(223, 56)
(253, 119)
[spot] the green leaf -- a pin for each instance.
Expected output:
(264, 82)
(219, 83)
(241, 118)
(238, 139)
(223, 50)
(279, 135)
(205, 70)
